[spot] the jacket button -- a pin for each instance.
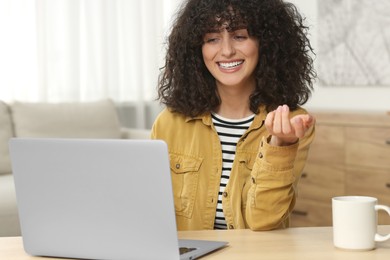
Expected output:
(177, 166)
(225, 194)
(231, 227)
(253, 180)
(260, 155)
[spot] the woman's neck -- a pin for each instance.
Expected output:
(234, 102)
(233, 112)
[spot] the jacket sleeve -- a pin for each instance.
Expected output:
(274, 180)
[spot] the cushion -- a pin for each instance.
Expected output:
(5, 134)
(9, 220)
(96, 119)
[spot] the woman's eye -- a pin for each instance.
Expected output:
(211, 40)
(211, 37)
(240, 37)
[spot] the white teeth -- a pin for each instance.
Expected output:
(229, 65)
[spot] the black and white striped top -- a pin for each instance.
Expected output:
(229, 132)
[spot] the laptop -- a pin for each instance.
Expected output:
(98, 199)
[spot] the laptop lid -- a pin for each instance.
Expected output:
(96, 199)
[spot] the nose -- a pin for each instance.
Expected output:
(227, 48)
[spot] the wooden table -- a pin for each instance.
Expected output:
(292, 243)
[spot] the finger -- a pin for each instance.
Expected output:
(269, 121)
(277, 127)
(309, 121)
(285, 117)
(299, 127)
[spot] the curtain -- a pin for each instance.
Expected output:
(18, 50)
(81, 50)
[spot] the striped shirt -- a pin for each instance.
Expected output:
(229, 132)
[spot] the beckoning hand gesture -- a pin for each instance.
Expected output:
(286, 130)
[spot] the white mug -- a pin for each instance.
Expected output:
(355, 222)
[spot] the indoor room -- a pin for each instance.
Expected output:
(113, 70)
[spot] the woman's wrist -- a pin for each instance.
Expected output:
(277, 141)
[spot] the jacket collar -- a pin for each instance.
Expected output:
(258, 121)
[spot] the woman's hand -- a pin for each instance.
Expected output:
(286, 130)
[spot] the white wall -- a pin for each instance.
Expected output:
(341, 98)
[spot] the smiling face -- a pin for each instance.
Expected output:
(231, 56)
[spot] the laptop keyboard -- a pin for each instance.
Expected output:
(184, 250)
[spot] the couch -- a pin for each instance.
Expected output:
(98, 119)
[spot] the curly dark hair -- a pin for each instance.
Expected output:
(284, 73)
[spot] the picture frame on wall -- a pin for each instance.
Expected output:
(353, 43)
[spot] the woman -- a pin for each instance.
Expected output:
(236, 73)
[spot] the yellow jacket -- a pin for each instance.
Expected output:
(262, 188)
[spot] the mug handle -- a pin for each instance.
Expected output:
(380, 238)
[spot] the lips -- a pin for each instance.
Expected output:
(230, 65)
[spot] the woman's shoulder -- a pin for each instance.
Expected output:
(169, 122)
(167, 119)
(168, 115)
